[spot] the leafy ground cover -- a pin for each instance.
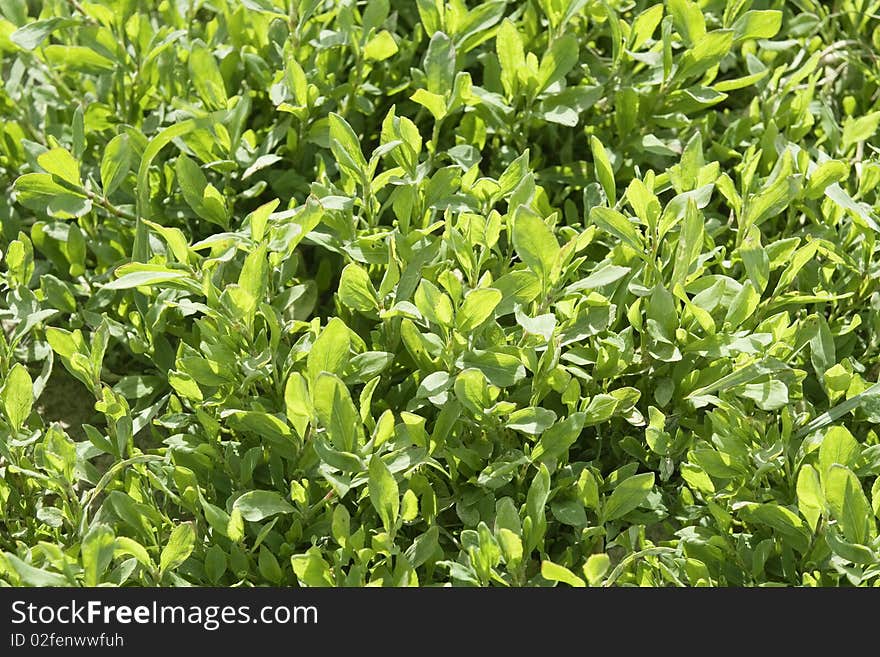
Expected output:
(420, 293)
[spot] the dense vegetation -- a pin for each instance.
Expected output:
(418, 293)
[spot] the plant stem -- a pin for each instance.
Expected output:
(108, 206)
(79, 9)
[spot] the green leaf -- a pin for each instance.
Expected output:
(439, 64)
(60, 163)
(557, 439)
(215, 563)
(268, 566)
(257, 505)
(478, 306)
(199, 195)
(838, 446)
(178, 548)
(154, 147)
(769, 395)
(384, 494)
(557, 573)
(472, 391)
(423, 547)
(755, 259)
(629, 494)
(311, 569)
(185, 386)
(706, 52)
(543, 325)
(535, 244)
(688, 20)
(297, 403)
(811, 499)
(141, 275)
(433, 304)
(557, 62)
(17, 396)
(346, 147)
(33, 34)
(356, 289)
(825, 174)
(875, 497)
(206, 77)
(216, 517)
(115, 163)
(262, 424)
(662, 314)
(511, 55)
(253, 278)
(532, 420)
(596, 567)
(644, 26)
(32, 576)
(77, 58)
(330, 352)
(743, 305)
(40, 192)
(501, 369)
(848, 505)
(690, 244)
(128, 546)
(781, 520)
(798, 261)
(860, 129)
(518, 287)
(175, 239)
(569, 512)
(434, 103)
(644, 202)
(539, 491)
(619, 226)
(259, 218)
(97, 551)
(757, 24)
(381, 47)
(336, 412)
(604, 172)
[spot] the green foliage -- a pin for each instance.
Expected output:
(300, 292)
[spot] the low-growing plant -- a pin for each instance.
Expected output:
(517, 293)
